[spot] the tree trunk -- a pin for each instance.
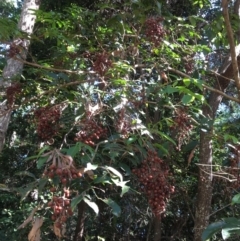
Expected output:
(157, 228)
(13, 69)
(203, 205)
(80, 222)
(204, 196)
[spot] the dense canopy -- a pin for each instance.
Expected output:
(119, 120)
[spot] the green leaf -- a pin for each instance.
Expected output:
(171, 46)
(56, 180)
(3, 187)
(41, 184)
(45, 148)
(159, 7)
(31, 158)
(162, 148)
(130, 140)
(25, 173)
(41, 161)
(24, 191)
(169, 89)
(119, 82)
(114, 171)
(236, 199)
(116, 210)
(75, 201)
(103, 179)
(167, 137)
(198, 83)
(187, 99)
(228, 232)
(231, 138)
(231, 227)
(212, 229)
(125, 167)
(187, 82)
(74, 150)
(192, 20)
(92, 205)
(125, 189)
(90, 166)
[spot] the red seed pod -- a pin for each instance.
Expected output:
(53, 189)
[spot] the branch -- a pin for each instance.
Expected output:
(55, 69)
(205, 86)
(228, 26)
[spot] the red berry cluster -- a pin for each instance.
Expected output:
(153, 175)
(61, 209)
(47, 119)
(182, 123)
(189, 67)
(154, 30)
(64, 173)
(12, 92)
(14, 50)
(61, 165)
(90, 132)
(102, 64)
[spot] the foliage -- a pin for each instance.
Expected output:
(99, 120)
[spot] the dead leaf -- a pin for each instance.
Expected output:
(191, 156)
(63, 231)
(164, 77)
(29, 219)
(3, 187)
(90, 173)
(34, 234)
(57, 230)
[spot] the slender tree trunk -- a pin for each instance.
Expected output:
(157, 228)
(13, 69)
(204, 197)
(80, 222)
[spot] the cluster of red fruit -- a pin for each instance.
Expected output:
(182, 123)
(14, 50)
(63, 166)
(64, 173)
(189, 67)
(102, 64)
(154, 30)
(61, 209)
(90, 132)
(47, 119)
(12, 92)
(153, 175)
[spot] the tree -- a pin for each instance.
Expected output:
(111, 100)
(227, 71)
(18, 49)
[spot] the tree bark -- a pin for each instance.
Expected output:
(157, 228)
(204, 196)
(80, 222)
(13, 68)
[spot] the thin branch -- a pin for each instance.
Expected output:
(55, 69)
(205, 86)
(220, 209)
(92, 72)
(222, 76)
(217, 174)
(230, 36)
